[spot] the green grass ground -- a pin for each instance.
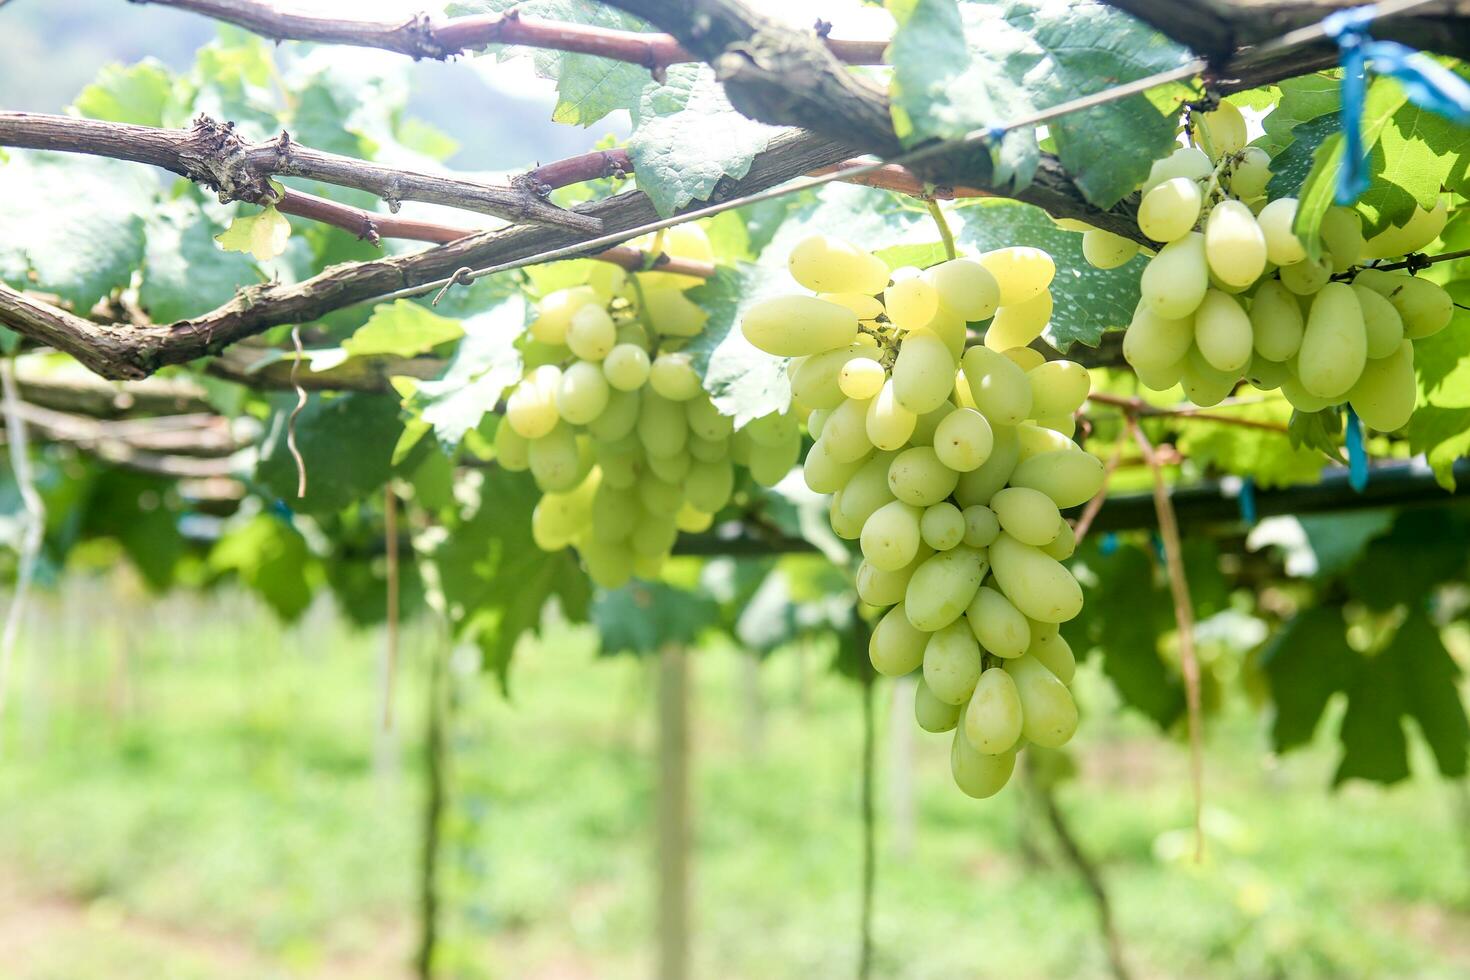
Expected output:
(189, 790)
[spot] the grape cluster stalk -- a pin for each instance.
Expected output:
(613, 422)
(1233, 294)
(950, 467)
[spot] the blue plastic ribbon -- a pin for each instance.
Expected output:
(1108, 545)
(1248, 501)
(1427, 84)
(1357, 454)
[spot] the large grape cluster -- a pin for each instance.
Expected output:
(1232, 293)
(614, 424)
(950, 466)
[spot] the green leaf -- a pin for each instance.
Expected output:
(486, 363)
(138, 94)
(347, 444)
(262, 235)
(71, 225)
(401, 329)
(1425, 548)
(963, 67)
(184, 272)
(742, 381)
(1410, 164)
(1305, 663)
(142, 513)
(643, 617)
(1290, 167)
(1302, 99)
(1089, 301)
(495, 581)
(271, 558)
(1321, 431)
(1338, 539)
(687, 137)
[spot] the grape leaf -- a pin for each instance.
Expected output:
(262, 235)
(1302, 99)
(1440, 426)
(643, 617)
(1410, 164)
(346, 443)
(141, 512)
(1089, 301)
(1305, 663)
(1424, 548)
(687, 136)
(271, 558)
(742, 381)
(401, 329)
(963, 67)
(138, 94)
(185, 273)
(1290, 167)
(486, 363)
(71, 225)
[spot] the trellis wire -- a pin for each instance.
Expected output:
(994, 132)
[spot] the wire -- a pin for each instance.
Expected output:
(995, 132)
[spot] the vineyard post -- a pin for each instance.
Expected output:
(672, 821)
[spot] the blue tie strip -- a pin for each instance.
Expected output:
(1248, 501)
(1357, 454)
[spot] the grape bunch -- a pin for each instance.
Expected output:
(950, 467)
(613, 422)
(1232, 293)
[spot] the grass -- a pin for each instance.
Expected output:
(189, 790)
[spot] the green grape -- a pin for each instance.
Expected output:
(842, 526)
(1266, 375)
(830, 265)
(659, 496)
(691, 520)
(1063, 545)
(1037, 439)
(943, 526)
(923, 374)
(976, 774)
(966, 288)
(895, 647)
(555, 462)
(981, 483)
(555, 311)
(707, 450)
(952, 663)
(626, 367)
(1027, 515)
(632, 332)
(673, 376)
(866, 307)
(1305, 277)
(531, 408)
(999, 388)
(1276, 222)
(1160, 378)
(1058, 388)
(673, 314)
(911, 300)
(1038, 585)
(889, 425)
(609, 564)
(772, 430)
(1154, 343)
(1049, 715)
(1026, 358)
(654, 535)
(619, 469)
(868, 488)
(1234, 244)
(932, 714)
(709, 485)
(861, 378)
(1424, 306)
(1187, 161)
(606, 281)
(993, 716)
(1174, 282)
(769, 465)
(963, 440)
(706, 422)
(1170, 210)
(1422, 228)
(1249, 178)
(582, 394)
(1222, 331)
(877, 587)
(1054, 653)
(619, 416)
(1381, 322)
(1021, 272)
(1105, 250)
(824, 472)
(981, 525)
(1334, 344)
(1070, 477)
(890, 537)
(998, 624)
(942, 587)
(792, 326)
(1276, 322)
(1204, 384)
(817, 419)
(845, 432)
(512, 451)
(614, 513)
(1223, 130)
(927, 424)
(558, 518)
(1385, 393)
(591, 334)
(816, 382)
(1301, 399)
(916, 476)
(650, 566)
(1017, 326)
(1342, 233)
(663, 426)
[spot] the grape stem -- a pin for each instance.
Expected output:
(1137, 407)
(946, 235)
(1414, 262)
(1183, 617)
